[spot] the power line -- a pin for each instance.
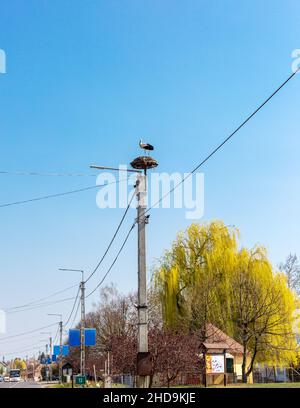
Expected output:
(37, 173)
(72, 308)
(75, 315)
(56, 335)
(38, 306)
(38, 344)
(40, 299)
(112, 240)
(17, 339)
(114, 261)
(28, 332)
(13, 353)
(59, 194)
(225, 140)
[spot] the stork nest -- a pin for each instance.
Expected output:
(144, 163)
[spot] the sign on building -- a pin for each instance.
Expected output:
(215, 364)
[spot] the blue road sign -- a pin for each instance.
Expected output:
(65, 350)
(90, 337)
(56, 350)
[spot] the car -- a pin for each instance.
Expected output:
(6, 378)
(15, 379)
(1, 378)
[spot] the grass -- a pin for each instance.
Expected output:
(89, 384)
(264, 385)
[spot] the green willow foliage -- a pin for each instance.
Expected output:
(206, 277)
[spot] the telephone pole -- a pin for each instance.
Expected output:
(82, 328)
(140, 166)
(60, 343)
(60, 349)
(82, 320)
(142, 275)
(143, 356)
(50, 353)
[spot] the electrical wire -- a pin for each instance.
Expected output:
(114, 261)
(40, 299)
(75, 315)
(17, 339)
(72, 308)
(39, 344)
(112, 240)
(37, 173)
(28, 332)
(40, 305)
(33, 349)
(214, 151)
(60, 194)
(56, 335)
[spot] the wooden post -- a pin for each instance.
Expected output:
(225, 369)
(204, 377)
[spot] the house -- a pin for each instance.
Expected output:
(221, 354)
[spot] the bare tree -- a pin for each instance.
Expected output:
(291, 268)
(173, 353)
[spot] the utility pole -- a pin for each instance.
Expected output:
(50, 346)
(82, 321)
(50, 353)
(50, 367)
(82, 329)
(60, 349)
(60, 343)
(140, 165)
(143, 381)
(47, 366)
(143, 356)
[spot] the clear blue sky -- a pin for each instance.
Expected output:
(86, 79)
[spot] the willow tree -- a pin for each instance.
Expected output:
(205, 277)
(261, 311)
(194, 276)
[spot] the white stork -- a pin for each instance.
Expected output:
(145, 146)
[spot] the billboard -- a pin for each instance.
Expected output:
(214, 363)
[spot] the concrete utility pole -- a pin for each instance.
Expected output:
(143, 356)
(60, 343)
(60, 349)
(50, 344)
(82, 328)
(50, 353)
(82, 322)
(143, 381)
(140, 165)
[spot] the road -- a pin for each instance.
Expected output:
(22, 384)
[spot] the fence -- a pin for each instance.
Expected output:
(275, 374)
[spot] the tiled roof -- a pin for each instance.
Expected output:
(217, 339)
